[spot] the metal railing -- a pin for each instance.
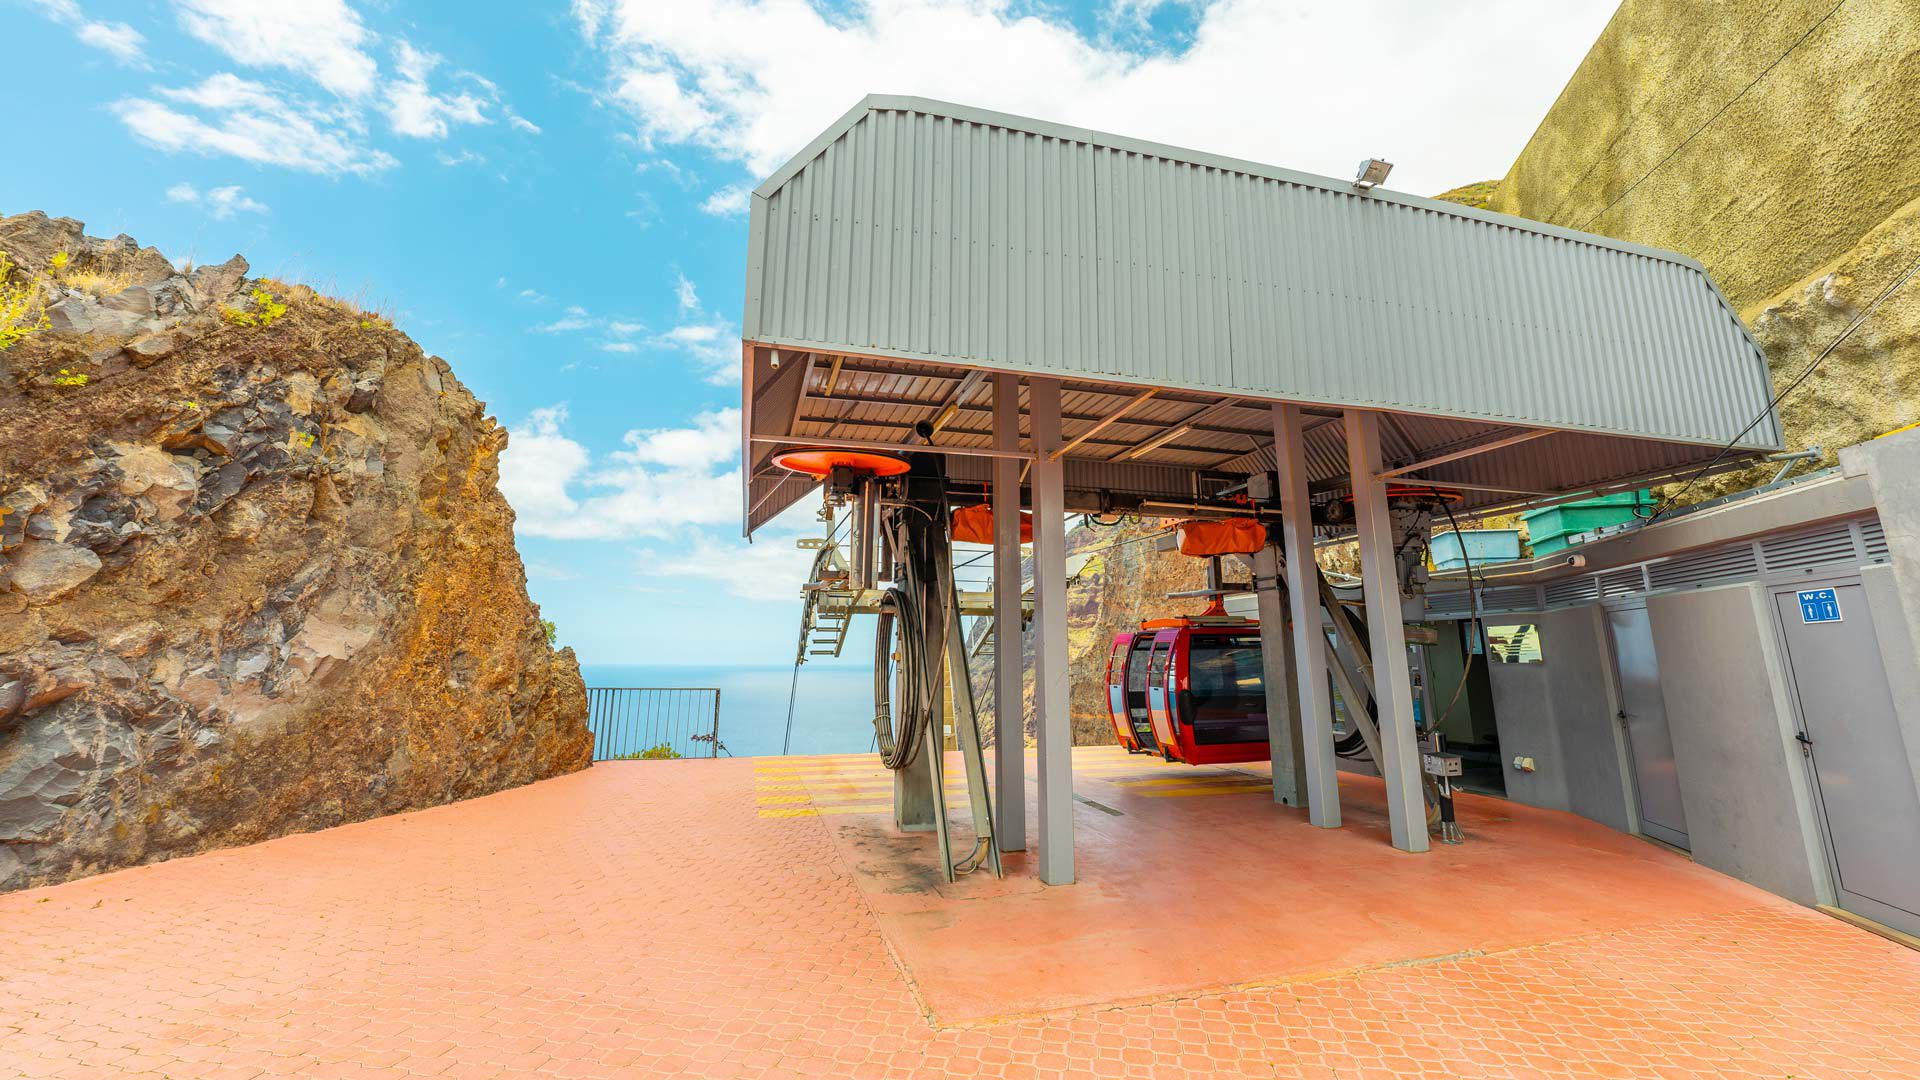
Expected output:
(654, 722)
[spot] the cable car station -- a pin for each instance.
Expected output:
(956, 311)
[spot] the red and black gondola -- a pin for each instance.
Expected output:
(1191, 690)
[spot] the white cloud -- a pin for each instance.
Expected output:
(728, 201)
(543, 571)
(619, 347)
(321, 39)
(221, 203)
(770, 570)
(1449, 96)
(574, 319)
(710, 341)
(254, 123)
(464, 157)
(125, 44)
(665, 482)
(521, 123)
(415, 110)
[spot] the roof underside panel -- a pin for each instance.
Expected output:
(929, 232)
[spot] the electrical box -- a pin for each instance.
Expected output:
(1440, 764)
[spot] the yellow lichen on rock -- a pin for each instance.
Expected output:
(1762, 139)
(256, 577)
(1779, 145)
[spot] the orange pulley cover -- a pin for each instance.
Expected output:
(1231, 536)
(974, 525)
(821, 461)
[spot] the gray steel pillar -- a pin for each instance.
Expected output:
(1283, 701)
(1319, 770)
(1009, 646)
(913, 792)
(1387, 639)
(1052, 711)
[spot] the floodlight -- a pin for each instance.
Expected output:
(1371, 174)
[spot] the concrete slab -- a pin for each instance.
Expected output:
(1195, 879)
(658, 919)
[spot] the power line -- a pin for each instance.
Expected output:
(1859, 320)
(1764, 72)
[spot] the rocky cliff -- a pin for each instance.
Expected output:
(1124, 579)
(1778, 143)
(255, 574)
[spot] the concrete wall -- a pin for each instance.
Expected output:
(1523, 701)
(1561, 713)
(1750, 810)
(1891, 466)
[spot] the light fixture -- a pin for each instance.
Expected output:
(1371, 174)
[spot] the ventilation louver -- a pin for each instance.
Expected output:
(1704, 567)
(1808, 550)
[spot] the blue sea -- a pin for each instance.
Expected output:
(833, 710)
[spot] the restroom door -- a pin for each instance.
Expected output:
(1643, 714)
(1860, 766)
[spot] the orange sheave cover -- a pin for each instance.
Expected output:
(1233, 536)
(974, 525)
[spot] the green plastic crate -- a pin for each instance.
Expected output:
(1548, 529)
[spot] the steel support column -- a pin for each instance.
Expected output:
(1283, 700)
(1052, 711)
(1387, 641)
(1009, 666)
(1318, 768)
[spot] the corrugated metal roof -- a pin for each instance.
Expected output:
(927, 238)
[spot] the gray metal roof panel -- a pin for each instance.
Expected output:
(927, 231)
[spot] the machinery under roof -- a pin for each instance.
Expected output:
(915, 246)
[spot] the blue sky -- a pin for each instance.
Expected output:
(551, 197)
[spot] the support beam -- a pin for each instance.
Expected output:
(951, 407)
(1318, 768)
(1052, 711)
(1283, 699)
(1112, 418)
(1482, 448)
(1009, 667)
(887, 448)
(1387, 640)
(1191, 421)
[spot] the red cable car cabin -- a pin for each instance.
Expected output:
(1127, 692)
(1194, 693)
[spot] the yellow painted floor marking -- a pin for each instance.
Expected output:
(833, 788)
(767, 800)
(1196, 779)
(821, 811)
(1218, 789)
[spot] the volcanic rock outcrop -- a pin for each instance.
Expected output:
(255, 574)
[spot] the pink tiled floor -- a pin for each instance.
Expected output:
(646, 919)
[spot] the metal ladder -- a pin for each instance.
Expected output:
(826, 628)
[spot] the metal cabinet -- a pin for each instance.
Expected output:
(1854, 750)
(1643, 713)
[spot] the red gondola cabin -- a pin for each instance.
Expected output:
(1190, 692)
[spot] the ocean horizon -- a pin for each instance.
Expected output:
(833, 705)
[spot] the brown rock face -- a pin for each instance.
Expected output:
(1124, 580)
(255, 574)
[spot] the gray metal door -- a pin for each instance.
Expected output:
(1643, 712)
(1860, 763)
